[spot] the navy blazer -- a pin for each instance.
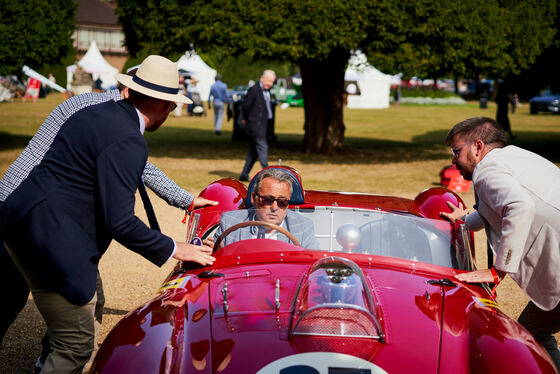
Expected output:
(62, 218)
(254, 112)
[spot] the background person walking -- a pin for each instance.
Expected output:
(257, 112)
(219, 92)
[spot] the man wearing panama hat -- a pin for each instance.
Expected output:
(58, 223)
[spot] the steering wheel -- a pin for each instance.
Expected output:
(255, 223)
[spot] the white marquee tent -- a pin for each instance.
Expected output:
(197, 68)
(373, 86)
(94, 63)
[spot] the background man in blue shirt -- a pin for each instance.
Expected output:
(219, 92)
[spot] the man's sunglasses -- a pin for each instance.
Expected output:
(269, 200)
(173, 106)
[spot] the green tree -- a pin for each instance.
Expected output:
(469, 39)
(425, 37)
(544, 73)
(34, 33)
(316, 35)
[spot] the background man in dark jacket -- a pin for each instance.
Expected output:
(257, 111)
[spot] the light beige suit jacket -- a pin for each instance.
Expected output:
(519, 206)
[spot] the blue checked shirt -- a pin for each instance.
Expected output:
(32, 155)
(219, 92)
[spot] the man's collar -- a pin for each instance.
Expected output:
(142, 122)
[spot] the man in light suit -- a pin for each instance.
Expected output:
(518, 205)
(257, 112)
(270, 200)
(60, 220)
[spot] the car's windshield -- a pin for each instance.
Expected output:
(335, 229)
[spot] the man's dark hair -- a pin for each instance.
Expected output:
(131, 72)
(479, 128)
(218, 77)
(280, 175)
(141, 101)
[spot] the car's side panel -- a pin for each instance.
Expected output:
(168, 334)
(478, 338)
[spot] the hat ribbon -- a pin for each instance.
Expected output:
(155, 87)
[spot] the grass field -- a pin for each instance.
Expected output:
(395, 151)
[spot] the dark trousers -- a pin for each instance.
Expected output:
(257, 151)
(15, 291)
(542, 325)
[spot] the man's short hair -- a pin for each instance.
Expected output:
(479, 128)
(218, 77)
(269, 73)
(138, 97)
(281, 175)
(130, 72)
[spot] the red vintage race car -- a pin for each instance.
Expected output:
(370, 291)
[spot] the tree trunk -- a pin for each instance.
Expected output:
(323, 86)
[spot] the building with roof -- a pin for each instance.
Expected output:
(97, 20)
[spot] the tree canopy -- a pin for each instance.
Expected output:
(34, 33)
(418, 37)
(316, 35)
(466, 39)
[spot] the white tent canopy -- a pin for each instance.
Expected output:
(204, 74)
(94, 63)
(374, 86)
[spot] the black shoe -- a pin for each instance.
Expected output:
(218, 133)
(244, 178)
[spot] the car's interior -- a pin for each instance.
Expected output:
(354, 230)
(366, 231)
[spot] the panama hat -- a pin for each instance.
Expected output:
(156, 77)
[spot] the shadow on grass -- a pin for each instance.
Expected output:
(542, 143)
(179, 142)
(10, 141)
(223, 173)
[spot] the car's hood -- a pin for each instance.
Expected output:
(545, 99)
(255, 312)
(263, 314)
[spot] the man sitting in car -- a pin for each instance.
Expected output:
(270, 199)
